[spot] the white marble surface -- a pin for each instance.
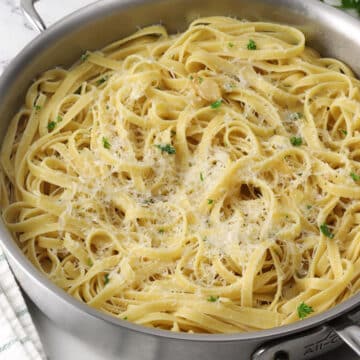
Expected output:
(15, 33)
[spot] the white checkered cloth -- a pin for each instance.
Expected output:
(19, 339)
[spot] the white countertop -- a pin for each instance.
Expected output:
(15, 33)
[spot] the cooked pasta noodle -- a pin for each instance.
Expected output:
(202, 182)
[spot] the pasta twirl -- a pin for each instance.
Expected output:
(200, 182)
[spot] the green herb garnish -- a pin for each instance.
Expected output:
(125, 317)
(343, 131)
(59, 118)
(37, 107)
(213, 298)
(216, 104)
(90, 263)
(354, 176)
(296, 141)
(106, 143)
(85, 56)
(308, 207)
(191, 77)
(161, 231)
(326, 231)
(201, 80)
(251, 45)
(51, 125)
(230, 44)
(166, 148)
(101, 81)
(350, 4)
(303, 310)
(201, 176)
(106, 279)
(210, 201)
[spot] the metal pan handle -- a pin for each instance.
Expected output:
(312, 343)
(349, 332)
(31, 14)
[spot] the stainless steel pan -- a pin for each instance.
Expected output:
(328, 30)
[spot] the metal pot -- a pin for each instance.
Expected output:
(328, 30)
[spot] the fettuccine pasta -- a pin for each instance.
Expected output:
(207, 181)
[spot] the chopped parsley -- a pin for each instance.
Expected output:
(343, 131)
(296, 141)
(308, 207)
(125, 318)
(106, 279)
(51, 125)
(90, 263)
(350, 4)
(166, 148)
(303, 310)
(37, 107)
(354, 176)
(296, 116)
(326, 231)
(230, 44)
(201, 176)
(59, 118)
(101, 81)
(85, 56)
(216, 104)
(161, 231)
(251, 45)
(106, 143)
(210, 201)
(201, 80)
(191, 77)
(213, 298)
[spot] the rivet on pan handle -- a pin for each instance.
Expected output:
(32, 15)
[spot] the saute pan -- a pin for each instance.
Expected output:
(328, 30)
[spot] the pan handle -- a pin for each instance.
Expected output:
(31, 14)
(350, 334)
(315, 342)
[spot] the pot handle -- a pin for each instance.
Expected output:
(315, 342)
(350, 334)
(31, 14)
